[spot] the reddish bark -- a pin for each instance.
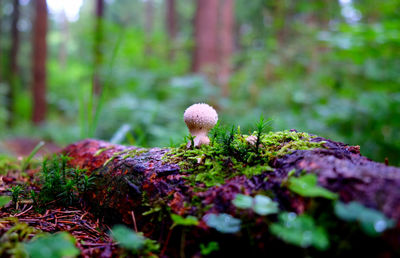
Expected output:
(39, 62)
(148, 25)
(214, 30)
(15, 42)
(145, 181)
(226, 31)
(1, 66)
(205, 55)
(15, 37)
(171, 21)
(339, 167)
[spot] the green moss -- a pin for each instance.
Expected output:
(7, 164)
(12, 241)
(232, 154)
(100, 151)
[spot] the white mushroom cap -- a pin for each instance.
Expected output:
(200, 118)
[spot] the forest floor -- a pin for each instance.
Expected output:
(25, 219)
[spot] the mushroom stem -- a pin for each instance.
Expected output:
(200, 137)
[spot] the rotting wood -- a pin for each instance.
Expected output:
(144, 182)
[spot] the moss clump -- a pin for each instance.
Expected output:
(12, 241)
(8, 163)
(232, 154)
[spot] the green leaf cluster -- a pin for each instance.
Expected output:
(135, 242)
(209, 248)
(12, 241)
(57, 245)
(181, 221)
(307, 186)
(223, 222)
(300, 230)
(372, 222)
(4, 200)
(260, 204)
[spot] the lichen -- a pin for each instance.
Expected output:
(128, 153)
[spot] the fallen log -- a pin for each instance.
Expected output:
(142, 187)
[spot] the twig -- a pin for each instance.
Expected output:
(84, 214)
(166, 243)
(98, 244)
(21, 213)
(183, 240)
(134, 221)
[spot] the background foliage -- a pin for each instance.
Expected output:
(326, 67)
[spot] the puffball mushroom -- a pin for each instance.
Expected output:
(200, 118)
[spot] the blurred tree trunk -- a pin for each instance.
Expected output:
(97, 48)
(148, 24)
(1, 57)
(171, 21)
(280, 22)
(39, 62)
(205, 55)
(214, 30)
(323, 12)
(15, 41)
(62, 54)
(226, 32)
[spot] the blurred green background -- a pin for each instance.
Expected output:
(326, 67)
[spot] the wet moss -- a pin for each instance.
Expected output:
(235, 154)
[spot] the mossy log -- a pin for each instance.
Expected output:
(140, 188)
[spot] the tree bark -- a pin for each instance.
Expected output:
(1, 45)
(205, 55)
(128, 187)
(214, 30)
(171, 22)
(39, 62)
(149, 25)
(226, 31)
(13, 78)
(98, 47)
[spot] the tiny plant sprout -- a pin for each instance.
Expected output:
(200, 118)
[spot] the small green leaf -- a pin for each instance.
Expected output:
(128, 238)
(263, 205)
(307, 186)
(243, 201)
(300, 230)
(188, 221)
(373, 222)
(209, 248)
(58, 245)
(4, 200)
(223, 222)
(151, 211)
